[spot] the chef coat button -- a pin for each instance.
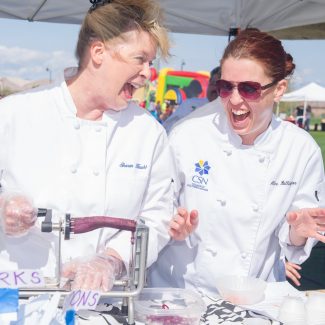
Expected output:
(261, 159)
(222, 202)
(96, 172)
(76, 125)
(243, 255)
(98, 129)
(212, 251)
(73, 170)
(255, 208)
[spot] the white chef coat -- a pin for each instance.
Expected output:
(119, 166)
(242, 194)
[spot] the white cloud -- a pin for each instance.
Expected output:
(16, 55)
(302, 77)
(31, 64)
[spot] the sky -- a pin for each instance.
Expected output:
(38, 50)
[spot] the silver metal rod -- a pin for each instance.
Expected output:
(132, 286)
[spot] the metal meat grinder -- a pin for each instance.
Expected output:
(131, 285)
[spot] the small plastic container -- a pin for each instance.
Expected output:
(292, 311)
(241, 290)
(168, 306)
(315, 308)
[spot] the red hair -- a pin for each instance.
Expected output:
(258, 46)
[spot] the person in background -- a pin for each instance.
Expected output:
(215, 75)
(80, 146)
(307, 118)
(168, 110)
(310, 274)
(185, 111)
(163, 109)
(211, 96)
(190, 104)
(151, 107)
(158, 109)
(292, 272)
(300, 116)
(256, 180)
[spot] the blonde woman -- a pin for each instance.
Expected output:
(81, 146)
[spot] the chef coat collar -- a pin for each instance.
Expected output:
(266, 136)
(265, 141)
(71, 107)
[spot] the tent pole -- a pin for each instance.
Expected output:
(36, 11)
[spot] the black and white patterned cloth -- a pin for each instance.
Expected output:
(218, 311)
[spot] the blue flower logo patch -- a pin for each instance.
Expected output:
(202, 167)
(200, 179)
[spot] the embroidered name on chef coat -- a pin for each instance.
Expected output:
(200, 178)
(137, 165)
(288, 183)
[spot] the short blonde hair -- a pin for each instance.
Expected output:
(111, 19)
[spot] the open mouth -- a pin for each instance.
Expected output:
(128, 90)
(239, 115)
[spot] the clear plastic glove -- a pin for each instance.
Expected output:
(17, 214)
(93, 273)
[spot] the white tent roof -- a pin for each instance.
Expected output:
(309, 93)
(214, 17)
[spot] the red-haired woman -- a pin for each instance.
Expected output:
(249, 175)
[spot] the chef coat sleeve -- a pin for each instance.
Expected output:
(310, 194)
(157, 205)
(4, 136)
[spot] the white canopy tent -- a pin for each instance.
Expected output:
(213, 17)
(309, 93)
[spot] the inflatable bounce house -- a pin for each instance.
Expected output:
(147, 94)
(170, 84)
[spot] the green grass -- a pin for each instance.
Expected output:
(319, 137)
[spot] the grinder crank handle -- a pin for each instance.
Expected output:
(85, 224)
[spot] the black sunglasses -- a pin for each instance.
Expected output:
(247, 89)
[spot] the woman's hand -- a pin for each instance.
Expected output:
(96, 272)
(292, 272)
(17, 214)
(306, 223)
(183, 224)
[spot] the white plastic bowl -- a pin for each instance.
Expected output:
(158, 306)
(240, 290)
